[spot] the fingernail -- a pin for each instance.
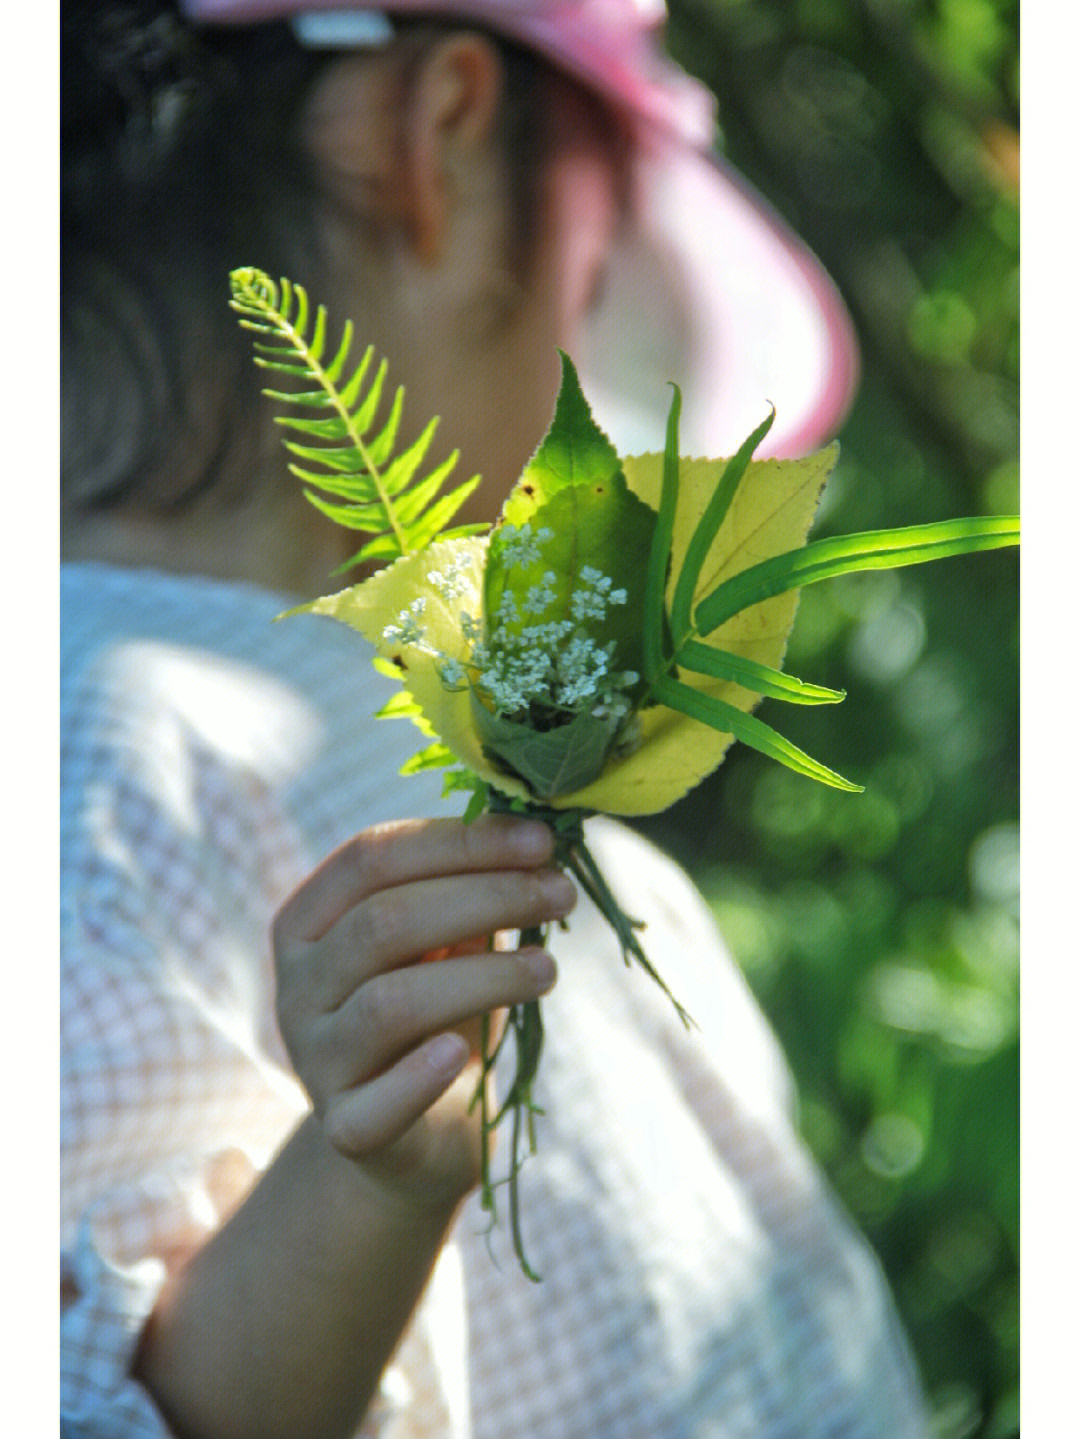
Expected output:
(541, 966)
(559, 893)
(531, 839)
(447, 1053)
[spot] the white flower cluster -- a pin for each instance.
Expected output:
(527, 663)
(520, 547)
(456, 579)
(553, 665)
(406, 629)
(591, 601)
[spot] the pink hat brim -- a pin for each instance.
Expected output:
(711, 289)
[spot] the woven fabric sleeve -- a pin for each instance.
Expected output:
(175, 1088)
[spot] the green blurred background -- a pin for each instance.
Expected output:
(880, 931)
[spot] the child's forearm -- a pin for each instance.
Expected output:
(283, 1323)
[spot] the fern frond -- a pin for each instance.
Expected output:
(350, 470)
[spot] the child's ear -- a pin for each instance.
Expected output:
(451, 112)
(389, 138)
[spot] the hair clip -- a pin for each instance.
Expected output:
(342, 29)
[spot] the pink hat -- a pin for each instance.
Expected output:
(709, 288)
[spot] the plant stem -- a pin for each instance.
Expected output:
(524, 1020)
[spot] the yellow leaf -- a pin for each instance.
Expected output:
(376, 603)
(772, 511)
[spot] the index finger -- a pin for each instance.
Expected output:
(404, 850)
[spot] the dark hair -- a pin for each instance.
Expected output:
(181, 158)
(172, 146)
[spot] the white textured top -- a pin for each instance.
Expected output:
(698, 1280)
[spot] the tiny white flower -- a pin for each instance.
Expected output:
(451, 672)
(539, 597)
(520, 548)
(455, 580)
(406, 629)
(507, 613)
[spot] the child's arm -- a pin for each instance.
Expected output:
(283, 1323)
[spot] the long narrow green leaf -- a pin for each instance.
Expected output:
(334, 457)
(382, 547)
(400, 471)
(356, 487)
(301, 397)
(423, 492)
(354, 475)
(353, 517)
(364, 417)
(286, 301)
(871, 550)
(381, 447)
(441, 512)
(355, 490)
(463, 532)
(707, 529)
(318, 340)
(284, 366)
(751, 731)
(337, 364)
(353, 484)
(278, 344)
(300, 323)
(332, 428)
(762, 679)
(351, 393)
(660, 549)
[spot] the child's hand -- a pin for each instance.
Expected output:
(384, 1042)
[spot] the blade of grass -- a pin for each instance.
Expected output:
(753, 732)
(707, 529)
(845, 554)
(762, 679)
(660, 550)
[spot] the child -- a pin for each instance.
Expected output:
(270, 1225)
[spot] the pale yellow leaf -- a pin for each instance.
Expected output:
(772, 512)
(376, 603)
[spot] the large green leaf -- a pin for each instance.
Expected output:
(600, 526)
(575, 451)
(371, 606)
(552, 762)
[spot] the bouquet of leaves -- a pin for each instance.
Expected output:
(595, 651)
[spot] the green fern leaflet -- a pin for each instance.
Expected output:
(360, 482)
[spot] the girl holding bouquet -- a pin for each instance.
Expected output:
(272, 982)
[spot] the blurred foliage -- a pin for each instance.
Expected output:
(880, 931)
